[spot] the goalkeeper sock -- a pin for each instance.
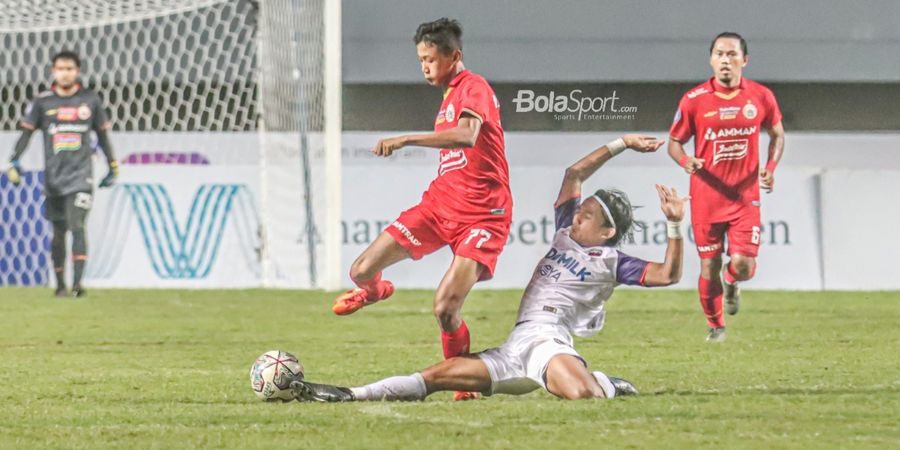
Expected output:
(58, 253)
(79, 254)
(401, 388)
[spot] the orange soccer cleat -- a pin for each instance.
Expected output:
(351, 301)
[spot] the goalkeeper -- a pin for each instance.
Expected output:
(66, 114)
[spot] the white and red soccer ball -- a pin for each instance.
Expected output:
(271, 375)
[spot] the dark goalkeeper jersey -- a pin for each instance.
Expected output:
(66, 123)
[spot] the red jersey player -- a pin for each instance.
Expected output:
(468, 206)
(724, 115)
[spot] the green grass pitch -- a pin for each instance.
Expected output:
(169, 369)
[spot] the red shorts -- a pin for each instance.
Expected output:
(421, 232)
(743, 235)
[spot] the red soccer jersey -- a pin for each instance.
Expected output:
(725, 124)
(472, 183)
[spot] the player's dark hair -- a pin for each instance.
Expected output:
(729, 35)
(444, 33)
(67, 55)
(622, 213)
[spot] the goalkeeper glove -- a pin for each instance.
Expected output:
(110, 178)
(13, 173)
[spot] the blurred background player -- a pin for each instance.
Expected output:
(567, 295)
(468, 206)
(66, 114)
(724, 115)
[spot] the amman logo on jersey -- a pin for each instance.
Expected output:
(711, 134)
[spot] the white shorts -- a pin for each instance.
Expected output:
(520, 364)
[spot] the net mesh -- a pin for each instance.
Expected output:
(251, 68)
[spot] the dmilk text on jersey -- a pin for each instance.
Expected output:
(569, 263)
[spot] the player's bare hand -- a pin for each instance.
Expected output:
(670, 203)
(386, 147)
(692, 164)
(766, 180)
(643, 144)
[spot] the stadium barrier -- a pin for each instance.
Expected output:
(186, 213)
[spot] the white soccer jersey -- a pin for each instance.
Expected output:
(571, 284)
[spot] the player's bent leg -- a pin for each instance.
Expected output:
(366, 274)
(462, 373)
(451, 293)
(448, 301)
(568, 378)
(739, 268)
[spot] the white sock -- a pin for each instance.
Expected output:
(607, 385)
(402, 388)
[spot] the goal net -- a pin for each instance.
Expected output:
(226, 123)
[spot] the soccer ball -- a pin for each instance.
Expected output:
(271, 375)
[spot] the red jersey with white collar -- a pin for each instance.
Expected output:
(725, 124)
(472, 184)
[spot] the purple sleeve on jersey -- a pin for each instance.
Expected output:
(565, 212)
(630, 270)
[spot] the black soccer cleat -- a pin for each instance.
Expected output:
(61, 292)
(623, 387)
(305, 391)
(78, 292)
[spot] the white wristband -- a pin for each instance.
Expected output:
(673, 230)
(617, 146)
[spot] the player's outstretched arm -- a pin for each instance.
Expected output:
(463, 136)
(586, 166)
(776, 149)
(687, 162)
(669, 271)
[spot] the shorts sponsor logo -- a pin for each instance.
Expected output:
(406, 233)
(709, 248)
(66, 142)
(84, 112)
(749, 111)
(67, 114)
(730, 150)
(451, 160)
(729, 113)
(83, 200)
